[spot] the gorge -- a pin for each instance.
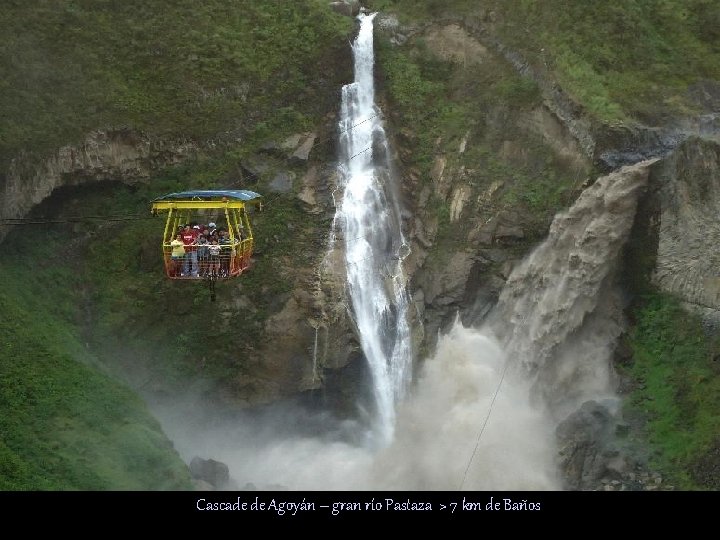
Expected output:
(482, 264)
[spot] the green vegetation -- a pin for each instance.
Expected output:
(247, 72)
(422, 11)
(419, 95)
(236, 72)
(99, 291)
(679, 390)
(65, 425)
(170, 68)
(633, 59)
(441, 106)
(440, 102)
(115, 277)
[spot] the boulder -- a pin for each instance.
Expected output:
(209, 471)
(349, 8)
(585, 446)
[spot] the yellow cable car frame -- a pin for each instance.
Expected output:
(187, 206)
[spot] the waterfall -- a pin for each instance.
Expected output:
(473, 420)
(560, 311)
(368, 220)
(315, 348)
(486, 406)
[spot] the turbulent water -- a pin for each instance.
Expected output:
(368, 220)
(560, 311)
(434, 443)
(483, 411)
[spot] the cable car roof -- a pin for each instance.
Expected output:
(211, 195)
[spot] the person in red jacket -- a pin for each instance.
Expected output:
(190, 265)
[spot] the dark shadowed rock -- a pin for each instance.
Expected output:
(688, 235)
(706, 469)
(256, 166)
(213, 472)
(583, 439)
(349, 8)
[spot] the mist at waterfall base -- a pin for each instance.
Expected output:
(467, 422)
(287, 447)
(425, 439)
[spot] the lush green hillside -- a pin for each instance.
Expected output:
(86, 303)
(65, 425)
(620, 60)
(439, 103)
(677, 391)
(239, 71)
(173, 68)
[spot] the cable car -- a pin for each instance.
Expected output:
(223, 215)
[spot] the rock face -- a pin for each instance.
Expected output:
(590, 458)
(470, 279)
(582, 441)
(688, 252)
(349, 8)
(209, 472)
(310, 335)
(121, 155)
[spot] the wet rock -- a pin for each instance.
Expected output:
(582, 440)
(256, 166)
(214, 473)
(621, 144)
(105, 155)
(506, 234)
(706, 94)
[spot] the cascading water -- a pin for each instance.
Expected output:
(560, 311)
(470, 422)
(368, 220)
(485, 407)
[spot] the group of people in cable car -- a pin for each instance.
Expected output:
(192, 250)
(203, 251)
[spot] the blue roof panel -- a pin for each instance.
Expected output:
(211, 195)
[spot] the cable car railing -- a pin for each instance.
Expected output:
(194, 246)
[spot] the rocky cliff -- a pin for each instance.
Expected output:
(105, 156)
(467, 217)
(489, 145)
(688, 253)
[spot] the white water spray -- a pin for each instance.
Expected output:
(469, 423)
(369, 222)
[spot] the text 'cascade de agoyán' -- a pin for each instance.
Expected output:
(375, 505)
